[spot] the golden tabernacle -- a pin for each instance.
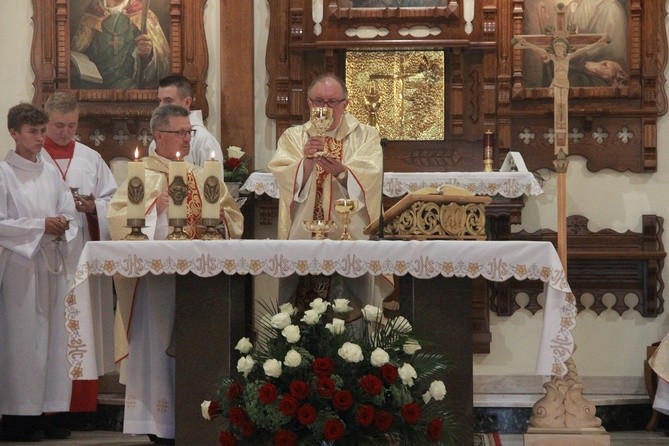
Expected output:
(447, 212)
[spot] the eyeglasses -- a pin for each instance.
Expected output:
(331, 103)
(181, 133)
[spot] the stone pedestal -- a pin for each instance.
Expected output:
(536, 436)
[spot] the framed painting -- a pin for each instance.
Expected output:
(112, 53)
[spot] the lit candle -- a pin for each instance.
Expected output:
(178, 177)
(136, 187)
(212, 188)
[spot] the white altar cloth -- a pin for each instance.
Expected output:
(396, 184)
(496, 261)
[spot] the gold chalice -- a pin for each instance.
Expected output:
(319, 228)
(321, 119)
(345, 207)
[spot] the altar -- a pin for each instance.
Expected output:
(211, 303)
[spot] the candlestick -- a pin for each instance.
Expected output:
(135, 205)
(488, 142)
(211, 190)
(177, 189)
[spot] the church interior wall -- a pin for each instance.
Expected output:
(608, 344)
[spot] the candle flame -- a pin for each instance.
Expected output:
(178, 156)
(213, 155)
(136, 153)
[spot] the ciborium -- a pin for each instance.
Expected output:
(319, 228)
(345, 207)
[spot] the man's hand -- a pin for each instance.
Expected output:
(331, 165)
(144, 46)
(85, 204)
(162, 202)
(56, 225)
(314, 146)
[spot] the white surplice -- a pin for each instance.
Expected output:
(33, 340)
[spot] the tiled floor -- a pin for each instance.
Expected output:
(103, 438)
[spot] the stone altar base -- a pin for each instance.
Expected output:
(537, 436)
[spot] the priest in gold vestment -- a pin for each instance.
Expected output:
(313, 171)
(144, 342)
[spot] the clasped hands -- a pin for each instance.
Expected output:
(56, 225)
(314, 153)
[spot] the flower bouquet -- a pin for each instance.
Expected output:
(312, 379)
(234, 168)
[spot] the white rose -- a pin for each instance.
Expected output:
(311, 317)
(272, 368)
(292, 359)
(341, 306)
(372, 313)
(401, 324)
(408, 374)
(287, 308)
(379, 357)
(319, 305)
(244, 345)
(350, 352)
(245, 365)
(280, 321)
(437, 390)
(291, 333)
(411, 346)
(337, 327)
(235, 152)
(205, 409)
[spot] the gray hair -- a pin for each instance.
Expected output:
(161, 116)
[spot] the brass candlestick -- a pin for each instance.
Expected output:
(487, 151)
(178, 232)
(211, 193)
(136, 198)
(211, 231)
(345, 207)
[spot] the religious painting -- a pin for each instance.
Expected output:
(119, 44)
(602, 66)
(401, 93)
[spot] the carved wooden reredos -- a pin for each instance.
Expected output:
(485, 88)
(115, 121)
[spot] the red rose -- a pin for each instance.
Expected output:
(237, 415)
(235, 390)
(247, 428)
(288, 405)
(365, 415)
(342, 400)
(306, 414)
(434, 429)
(371, 384)
(232, 163)
(383, 420)
(226, 439)
(389, 373)
(322, 366)
(333, 430)
(299, 389)
(325, 386)
(267, 393)
(285, 438)
(411, 413)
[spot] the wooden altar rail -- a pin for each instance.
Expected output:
(598, 263)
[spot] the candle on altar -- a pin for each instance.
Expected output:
(212, 188)
(136, 187)
(178, 176)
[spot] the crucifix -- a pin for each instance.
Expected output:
(563, 407)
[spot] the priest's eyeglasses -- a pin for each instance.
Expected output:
(331, 103)
(181, 133)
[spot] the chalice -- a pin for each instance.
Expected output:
(321, 119)
(319, 228)
(345, 207)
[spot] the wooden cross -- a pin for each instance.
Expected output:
(560, 45)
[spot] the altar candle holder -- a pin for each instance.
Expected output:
(488, 150)
(211, 193)
(135, 208)
(177, 191)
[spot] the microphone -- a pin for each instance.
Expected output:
(380, 236)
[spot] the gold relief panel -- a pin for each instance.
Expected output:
(401, 93)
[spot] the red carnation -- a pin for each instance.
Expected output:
(333, 430)
(371, 384)
(226, 439)
(365, 415)
(434, 429)
(342, 400)
(232, 163)
(237, 415)
(285, 438)
(306, 414)
(383, 420)
(325, 386)
(267, 393)
(323, 366)
(389, 373)
(235, 390)
(411, 413)
(288, 405)
(299, 389)
(247, 428)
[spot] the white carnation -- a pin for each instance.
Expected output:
(437, 390)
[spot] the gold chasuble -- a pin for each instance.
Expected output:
(155, 183)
